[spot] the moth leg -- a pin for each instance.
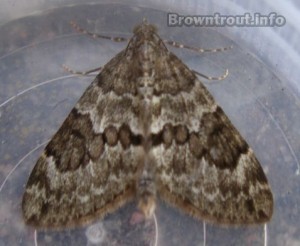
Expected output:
(223, 76)
(199, 50)
(70, 70)
(95, 35)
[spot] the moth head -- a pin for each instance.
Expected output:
(144, 27)
(146, 45)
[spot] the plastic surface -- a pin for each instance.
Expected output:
(36, 95)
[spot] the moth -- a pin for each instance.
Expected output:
(146, 128)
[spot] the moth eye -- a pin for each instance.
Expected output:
(181, 134)
(168, 135)
(111, 135)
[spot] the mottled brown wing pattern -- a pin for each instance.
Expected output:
(90, 166)
(204, 166)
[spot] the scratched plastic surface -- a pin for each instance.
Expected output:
(37, 94)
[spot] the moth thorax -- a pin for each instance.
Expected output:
(147, 56)
(146, 193)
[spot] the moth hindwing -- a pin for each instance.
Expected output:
(145, 128)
